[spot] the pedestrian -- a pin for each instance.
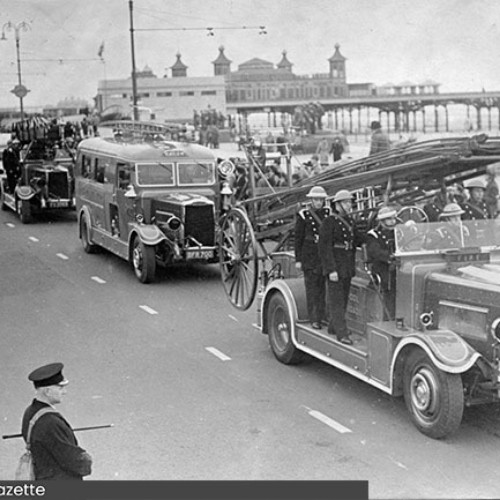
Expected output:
(10, 161)
(53, 444)
(475, 207)
(323, 150)
(379, 140)
(337, 149)
(307, 258)
(380, 247)
(338, 239)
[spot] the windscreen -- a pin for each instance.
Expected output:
(155, 174)
(446, 235)
(197, 173)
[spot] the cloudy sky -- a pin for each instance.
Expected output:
(454, 42)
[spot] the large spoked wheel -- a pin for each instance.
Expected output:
(238, 259)
(434, 398)
(144, 261)
(279, 328)
(24, 211)
(87, 244)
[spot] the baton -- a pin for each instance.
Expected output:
(90, 428)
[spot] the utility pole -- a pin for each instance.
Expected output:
(134, 77)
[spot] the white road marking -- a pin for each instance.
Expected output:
(98, 280)
(148, 309)
(328, 421)
(62, 256)
(217, 353)
(399, 464)
(10, 224)
(233, 318)
(32, 238)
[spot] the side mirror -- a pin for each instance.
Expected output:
(130, 192)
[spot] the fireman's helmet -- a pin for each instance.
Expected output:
(476, 183)
(450, 210)
(342, 195)
(316, 192)
(386, 213)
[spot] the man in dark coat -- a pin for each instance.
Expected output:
(379, 140)
(338, 238)
(10, 160)
(380, 248)
(55, 450)
(475, 208)
(307, 257)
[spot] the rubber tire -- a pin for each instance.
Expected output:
(144, 261)
(24, 211)
(87, 244)
(440, 414)
(279, 331)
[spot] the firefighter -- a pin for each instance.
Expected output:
(337, 246)
(475, 208)
(380, 248)
(307, 259)
(10, 160)
(451, 233)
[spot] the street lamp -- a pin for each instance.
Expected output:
(19, 90)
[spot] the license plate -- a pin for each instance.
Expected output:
(199, 254)
(57, 204)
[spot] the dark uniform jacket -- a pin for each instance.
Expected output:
(307, 238)
(10, 160)
(55, 450)
(380, 248)
(475, 210)
(447, 236)
(338, 239)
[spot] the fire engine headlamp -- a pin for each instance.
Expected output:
(173, 223)
(226, 168)
(495, 329)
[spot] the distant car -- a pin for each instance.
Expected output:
(46, 181)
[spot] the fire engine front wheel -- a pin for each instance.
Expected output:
(279, 328)
(434, 398)
(87, 244)
(144, 261)
(24, 211)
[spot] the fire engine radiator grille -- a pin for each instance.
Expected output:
(200, 223)
(58, 185)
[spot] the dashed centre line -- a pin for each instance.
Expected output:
(98, 280)
(148, 309)
(328, 421)
(32, 238)
(9, 224)
(218, 353)
(233, 318)
(62, 256)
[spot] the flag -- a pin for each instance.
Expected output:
(101, 50)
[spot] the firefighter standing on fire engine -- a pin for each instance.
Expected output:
(337, 246)
(307, 257)
(380, 248)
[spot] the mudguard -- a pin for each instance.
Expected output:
(293, 291)
(448, 351)
(25, 192)
(148, 233)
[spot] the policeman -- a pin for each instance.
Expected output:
(451, 233)
(307, 259)
(475, 208)
(55, 450)
(380, 248)
(338, 238)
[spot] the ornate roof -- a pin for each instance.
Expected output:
(256, 64)
(222, 59)
(337, 56)
(179, 64)
(284, 63)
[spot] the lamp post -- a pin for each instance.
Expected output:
(19, 90)
(135, 110)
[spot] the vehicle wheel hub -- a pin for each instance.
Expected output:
(424, 392)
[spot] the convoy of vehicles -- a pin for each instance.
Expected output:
(45, 183)
(149, 202)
